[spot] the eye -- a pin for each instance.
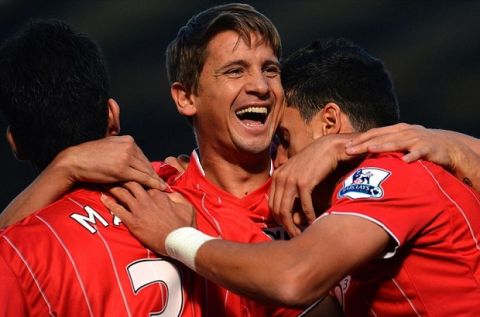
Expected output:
(234, 72)
(272, 70)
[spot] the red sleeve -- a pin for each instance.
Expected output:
(399, 197)
(11, 295)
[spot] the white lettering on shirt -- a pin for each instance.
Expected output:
(87, 221)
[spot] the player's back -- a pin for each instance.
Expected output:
(74, 258)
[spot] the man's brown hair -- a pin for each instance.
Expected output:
(186, 54)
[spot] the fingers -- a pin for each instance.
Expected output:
(121, 195)
(285, 210)
(307, 205)
(112, 159)
(136, 167)
(142, 171)
(415, 154)
(174, 162)
(399, 137)
(382, 146)
(116, 209)
(281, 202)
(136, 189)
(129, 195)
(368, 135)
(376, 133)
(139, 172)
(299, 219)
(288, 223)
(180, 163)
(373, 144)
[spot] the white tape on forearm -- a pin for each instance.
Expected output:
(182, 244)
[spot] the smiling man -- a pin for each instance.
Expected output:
(225, 77)
(234, 106)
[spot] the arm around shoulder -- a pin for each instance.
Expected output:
(456, 152)
(295, 272)
(51, 184)
(466, 159)
(108, 160)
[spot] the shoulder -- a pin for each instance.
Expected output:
(391, 168)
(58, 213)
(388, 160)
(385, 181)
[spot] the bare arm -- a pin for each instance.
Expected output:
(457, 152)
(107, 160)
(303, 270)
(327, 307)
(50, 185)
(306, 267)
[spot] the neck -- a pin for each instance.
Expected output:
(238, 175)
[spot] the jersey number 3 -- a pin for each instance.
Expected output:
(146, 272)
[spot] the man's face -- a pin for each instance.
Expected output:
(293, 135)
(240, 97)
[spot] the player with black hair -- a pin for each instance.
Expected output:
(72, 258)
(80, 78)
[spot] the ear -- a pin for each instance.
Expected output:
(327, 121)
(13, 145)
(183, 99)
(113, 117)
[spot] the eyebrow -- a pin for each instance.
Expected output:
(241, 62)
(273, 62)
(237, 62)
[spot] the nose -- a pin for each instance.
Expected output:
(258, 84)
(281, 156)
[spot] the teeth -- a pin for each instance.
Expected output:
(261, 110)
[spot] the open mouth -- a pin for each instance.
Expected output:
(253, 115)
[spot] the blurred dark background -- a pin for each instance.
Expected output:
(432, 49)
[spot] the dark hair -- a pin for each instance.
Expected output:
(53, 89)
(185, 55)
(336, 70)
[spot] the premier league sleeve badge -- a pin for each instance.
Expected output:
(364, 183)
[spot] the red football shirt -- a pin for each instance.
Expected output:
(73, 258)
(221, 214)
(433, 220)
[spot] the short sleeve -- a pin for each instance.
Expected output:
(397, 196)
